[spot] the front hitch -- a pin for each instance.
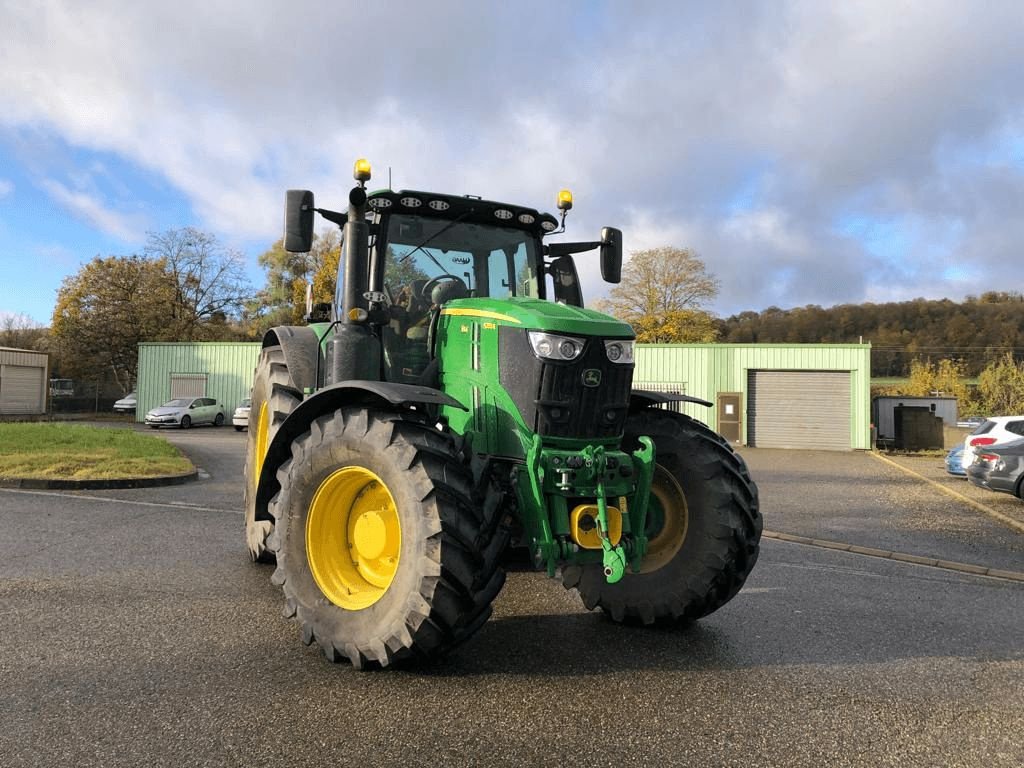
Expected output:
(613, 557)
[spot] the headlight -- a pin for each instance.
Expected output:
(619, 351)
(550, 346)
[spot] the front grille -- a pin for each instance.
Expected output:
(551, 396)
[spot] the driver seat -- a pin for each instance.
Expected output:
(446, 291)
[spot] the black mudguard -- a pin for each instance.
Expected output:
(643, 398)
(378, 394)
(300, 346)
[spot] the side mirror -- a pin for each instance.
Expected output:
(565, 281)
(298, 221)
(611, 254)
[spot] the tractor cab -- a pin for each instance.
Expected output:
(432, 249)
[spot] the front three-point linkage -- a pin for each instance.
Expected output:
(614, 556)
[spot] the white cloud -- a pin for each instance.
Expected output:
(92, 211)
(744, 139)
(6, 187)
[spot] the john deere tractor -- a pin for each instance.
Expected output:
(455, 400)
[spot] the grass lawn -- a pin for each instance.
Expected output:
(78, 452)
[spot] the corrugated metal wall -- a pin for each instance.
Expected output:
(228, 368)
(708, 369)
(23, 381)
(701, 370)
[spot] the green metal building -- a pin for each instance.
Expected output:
(766, 395)
(769, 395)
(222, 370)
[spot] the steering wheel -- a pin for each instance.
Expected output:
(428, 287)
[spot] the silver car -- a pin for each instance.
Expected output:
(185, 411)
(127, 403)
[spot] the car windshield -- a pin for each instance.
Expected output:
(481, 259)
(245, 403)
(984, 427)
(178, 402)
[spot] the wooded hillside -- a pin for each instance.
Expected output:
(977, 331)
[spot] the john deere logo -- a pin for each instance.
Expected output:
(591, 377)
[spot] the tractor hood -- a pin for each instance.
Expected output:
(537, 314)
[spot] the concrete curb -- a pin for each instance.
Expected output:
(1005, 519)
(37, 484)
(933, 562)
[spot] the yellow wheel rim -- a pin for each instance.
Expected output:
(667, 521)
(262, 440)
(353, 538)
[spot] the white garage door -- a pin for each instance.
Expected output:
(188, 385)
(799, 409)
(21, 389)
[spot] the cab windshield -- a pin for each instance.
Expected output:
(468, 258)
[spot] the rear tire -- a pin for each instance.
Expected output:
(384, 552)
(274, 397)
(704, 528)
(218, 420)
(238, 428)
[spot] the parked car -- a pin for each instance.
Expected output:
(240, 418)
(995, 430)
(954, 462)
(127, 403)
(1000, 468)
(185, 411)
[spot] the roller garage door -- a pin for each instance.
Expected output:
(21, 389)
(799, 409)
(188, 385)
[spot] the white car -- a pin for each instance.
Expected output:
(240, 418)
(127, 404)
(185, 411)
(995, 430)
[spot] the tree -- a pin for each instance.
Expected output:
(21, 332)
(690, 326)
(283, 300)
(662, 294)
(942, 379)
(104, 311)
(209, 279)
(1001, 387)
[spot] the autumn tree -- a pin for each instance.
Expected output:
(104, 311)
(282, 301)
(662, 295)
(1001, 387)
(946, 378)
(209, 282)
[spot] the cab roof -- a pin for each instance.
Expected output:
(465, 207)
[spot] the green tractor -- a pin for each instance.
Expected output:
(456, 399)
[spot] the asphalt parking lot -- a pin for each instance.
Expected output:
(137, 633)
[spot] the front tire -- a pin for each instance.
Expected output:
(383, 552)
(186, 422)
(703, 528)
(274, 397)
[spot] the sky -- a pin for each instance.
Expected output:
(809, 152)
